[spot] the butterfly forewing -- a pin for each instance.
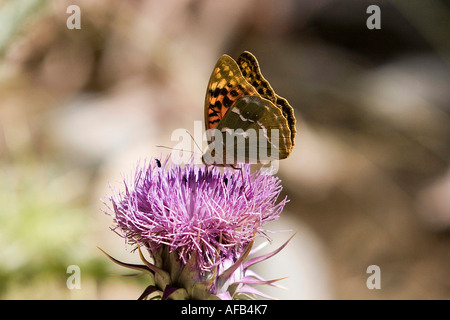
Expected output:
(226, 85)
(250, 70)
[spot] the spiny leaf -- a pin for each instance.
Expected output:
(174, 293)
(252, 280)
(255, 260)
(150, 289)
(227, 273)
(252, 290)
(132, 275)
(251, 273)
(160, 272)
(139, 267)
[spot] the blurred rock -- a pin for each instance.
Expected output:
(94, 128)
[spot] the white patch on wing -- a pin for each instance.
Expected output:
(227, 130)
(238, 112)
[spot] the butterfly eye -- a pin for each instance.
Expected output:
(158, 163)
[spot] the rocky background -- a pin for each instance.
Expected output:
(368, 180)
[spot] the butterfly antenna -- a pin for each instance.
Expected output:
(200, 149)
(242, 178)
(170, 148)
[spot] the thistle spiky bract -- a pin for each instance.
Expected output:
(198, 226)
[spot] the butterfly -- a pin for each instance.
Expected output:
(246, 121)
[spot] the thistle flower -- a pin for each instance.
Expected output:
(198, 225)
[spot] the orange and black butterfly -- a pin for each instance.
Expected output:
(241, 104)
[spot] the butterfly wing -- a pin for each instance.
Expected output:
(263, 132)
(226, 85)
(249, 68)
(240, 99)
(251, 72)
(288, 113)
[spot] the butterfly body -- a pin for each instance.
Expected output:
(248, 122)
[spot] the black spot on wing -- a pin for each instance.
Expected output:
(214, 121)
(227, 102)
(214, 111)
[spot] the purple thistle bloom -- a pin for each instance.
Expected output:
(200, 215)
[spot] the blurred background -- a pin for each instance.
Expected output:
(368, 180)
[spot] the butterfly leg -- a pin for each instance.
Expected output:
(242, 177)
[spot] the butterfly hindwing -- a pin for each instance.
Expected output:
(288, 113)
(263, 128)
